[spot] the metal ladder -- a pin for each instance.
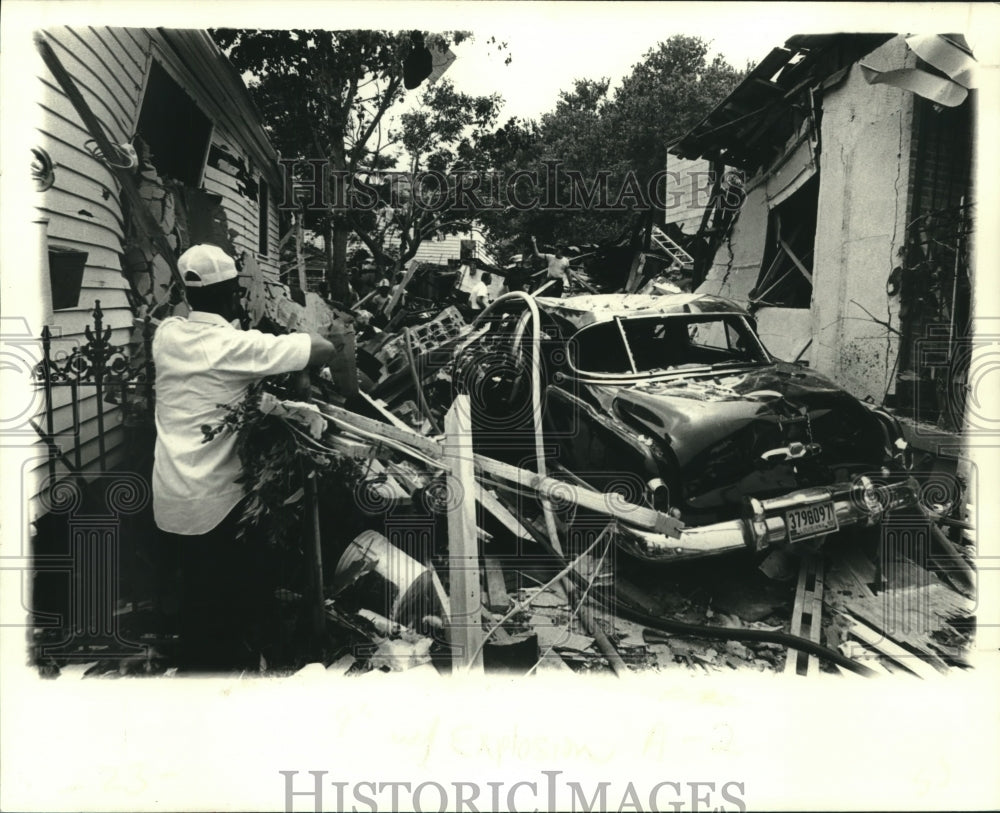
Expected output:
(664, 243)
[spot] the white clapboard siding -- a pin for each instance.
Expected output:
(439, 251)
(83, 207)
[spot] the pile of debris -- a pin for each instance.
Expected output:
(487, 583)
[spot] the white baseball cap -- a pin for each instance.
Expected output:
(205, 264)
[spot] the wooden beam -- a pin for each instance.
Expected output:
(317, 608)
(465, 628)
(796, 260)
(390, 306)
(611, 505)
(344, 417)
(808, 602)
(497, 600)
(890, 649)
(502, 514)
(380, 407)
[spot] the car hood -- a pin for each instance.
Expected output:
(697, 412)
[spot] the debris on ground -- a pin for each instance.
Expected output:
(389, 599)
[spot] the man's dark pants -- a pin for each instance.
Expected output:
(227, 597)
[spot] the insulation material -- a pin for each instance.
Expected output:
(946, 55)
(737, 263)
(938, 89)
(786, 332)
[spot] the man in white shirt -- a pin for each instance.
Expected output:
(557, 270)
(202, 362)
(479, 296)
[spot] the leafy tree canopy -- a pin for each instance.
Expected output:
(622, 133)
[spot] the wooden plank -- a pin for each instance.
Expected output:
(465, 629)
(379, 406)
(607, 504)
(798, 263)
(890, 649)
(500, 512)
(808, 602)
(347, 419)
(497, 600)
(906, 615)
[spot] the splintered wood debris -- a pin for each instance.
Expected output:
(456, 535)
(542, 613)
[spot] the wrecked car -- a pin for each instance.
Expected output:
(679, 392)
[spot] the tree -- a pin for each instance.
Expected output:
(666, 95)
(622, 134)
(433, 137)
(326, 95)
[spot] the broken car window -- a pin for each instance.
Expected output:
(663, 343)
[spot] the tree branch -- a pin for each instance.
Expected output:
(384, 105)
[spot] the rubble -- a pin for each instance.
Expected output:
(548, 612)
(493, 551)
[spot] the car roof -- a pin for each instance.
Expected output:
(590, 309)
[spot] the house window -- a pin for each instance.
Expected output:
(786, 272)
(174, 128)
(66, 267)
(262, 217)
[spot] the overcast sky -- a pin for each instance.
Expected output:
(551, 44)
(531, 83)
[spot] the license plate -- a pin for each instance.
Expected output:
(814, 520)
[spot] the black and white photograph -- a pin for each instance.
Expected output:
(499, 406)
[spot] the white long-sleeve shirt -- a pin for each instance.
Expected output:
(202, 362)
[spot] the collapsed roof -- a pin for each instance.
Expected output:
(750, 125)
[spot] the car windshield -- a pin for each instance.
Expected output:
(660, 344)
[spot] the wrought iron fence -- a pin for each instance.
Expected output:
(86, 550)
(114, 376)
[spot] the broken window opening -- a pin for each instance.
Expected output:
(786, 271)
(174, 128)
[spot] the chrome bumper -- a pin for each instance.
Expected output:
(764, 525)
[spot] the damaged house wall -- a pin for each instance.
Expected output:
(866, 133)
(835, 191)
(84, 214)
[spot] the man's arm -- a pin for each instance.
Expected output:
(321, 352)
(534, 248)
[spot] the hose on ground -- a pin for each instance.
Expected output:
(673, 627)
